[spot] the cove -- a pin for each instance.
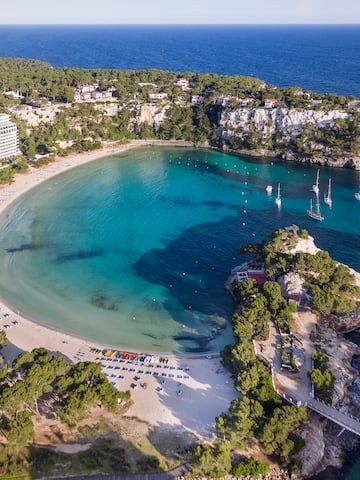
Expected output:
(133, 250)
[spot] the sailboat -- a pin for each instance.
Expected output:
(357, 194)
(315, 214)
(315, 187)
(327, 196)
(269, 189)
(278, 199)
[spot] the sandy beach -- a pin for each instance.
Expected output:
(183, 392)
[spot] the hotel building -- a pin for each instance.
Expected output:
(9, 138)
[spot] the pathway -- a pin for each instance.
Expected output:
(296, 387)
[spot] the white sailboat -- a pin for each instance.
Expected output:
(269, 189)
(357, 194)
(327, 195)
(278, 199)
(315, 214)
(315, 187)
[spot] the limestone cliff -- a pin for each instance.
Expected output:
(275, 132)
(289, 122)
(152, 114)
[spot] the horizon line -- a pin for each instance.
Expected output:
(184, 24)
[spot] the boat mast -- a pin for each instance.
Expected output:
(315, 187)
(327, 196)
(278, 199)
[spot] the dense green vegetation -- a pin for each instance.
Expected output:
(250, 467)
(82, 125)
(321, 377)
(330, 284)
(216, 462)
(258, 411)
(39, 382)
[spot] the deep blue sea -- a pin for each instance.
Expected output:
(322, 58)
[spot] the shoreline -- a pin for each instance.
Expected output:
(160, 404)
(34, 177)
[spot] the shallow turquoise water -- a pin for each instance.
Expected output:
(134, 250)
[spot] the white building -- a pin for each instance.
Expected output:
(183, 83)
(9, 138)
(197, 99)
(223, 100)
(158, 96)
(271, 102)
(244, 102)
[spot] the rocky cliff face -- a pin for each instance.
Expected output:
(289, 122)
(284, 125)
(152, 114)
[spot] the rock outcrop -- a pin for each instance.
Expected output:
(317, 454)
(289, 122)
(152, 114)
(278, 128)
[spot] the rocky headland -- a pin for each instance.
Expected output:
(324, 447)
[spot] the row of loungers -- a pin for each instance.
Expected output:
(168, 367)
(155, 374)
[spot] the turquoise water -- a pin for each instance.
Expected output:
(134, 250)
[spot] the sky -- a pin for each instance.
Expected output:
(180, 11)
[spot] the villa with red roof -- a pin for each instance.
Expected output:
(257, 275)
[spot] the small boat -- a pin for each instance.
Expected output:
(327, 195)
(315, 187)
(269, 189)
(278, 199)
(357, 194)
(315, 214)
